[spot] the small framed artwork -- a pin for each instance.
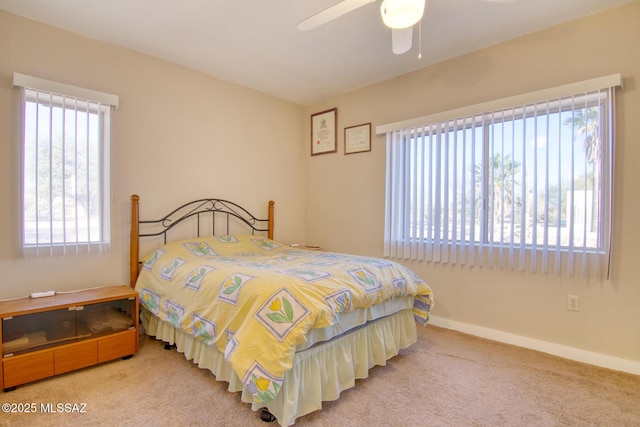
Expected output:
(357, 139)
(324, 132)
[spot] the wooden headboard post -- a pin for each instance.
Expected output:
(270, 232)
(134, 253)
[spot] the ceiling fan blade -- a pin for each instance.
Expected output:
(331, 13)
(401, 39)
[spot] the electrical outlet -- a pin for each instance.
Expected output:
(573, 302)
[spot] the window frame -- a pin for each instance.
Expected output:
(484, 126)
(60, 101)
(482, 119)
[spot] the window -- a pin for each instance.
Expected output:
(65, 168)
(523, 183)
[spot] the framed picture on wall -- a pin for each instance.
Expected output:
(357, 139)
(324, 132)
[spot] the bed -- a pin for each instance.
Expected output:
(288, 328)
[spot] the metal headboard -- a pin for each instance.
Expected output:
(202, 208)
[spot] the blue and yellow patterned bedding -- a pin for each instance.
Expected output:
(255, 299)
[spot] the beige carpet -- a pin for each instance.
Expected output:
(446, 379)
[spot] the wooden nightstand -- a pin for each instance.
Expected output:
(43, 337)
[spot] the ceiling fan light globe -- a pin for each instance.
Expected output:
(401, 14)
(401, 40)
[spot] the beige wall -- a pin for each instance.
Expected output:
(178, 135)
(346, 193)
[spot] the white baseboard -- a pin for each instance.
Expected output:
(566, 352)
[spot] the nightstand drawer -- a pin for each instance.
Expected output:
(75, 356)
(117, 345)
(26, 368)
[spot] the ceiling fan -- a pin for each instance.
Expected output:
(399, 15)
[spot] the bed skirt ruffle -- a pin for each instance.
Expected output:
(319, 373)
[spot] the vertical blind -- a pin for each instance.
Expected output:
(520, 183)
(65, 167)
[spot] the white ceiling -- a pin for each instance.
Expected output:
(255, 43)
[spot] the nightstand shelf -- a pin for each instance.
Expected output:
(43, 337)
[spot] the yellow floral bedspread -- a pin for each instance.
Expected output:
(255, 299)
